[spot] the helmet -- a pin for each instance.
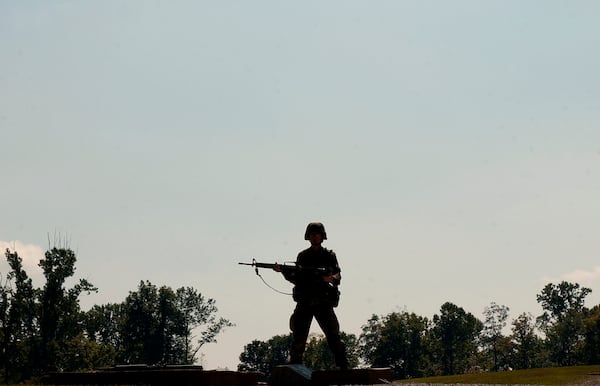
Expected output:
(315, 227)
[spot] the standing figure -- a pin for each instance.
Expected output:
(316, 282)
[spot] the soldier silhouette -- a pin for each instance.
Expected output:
(316, 295)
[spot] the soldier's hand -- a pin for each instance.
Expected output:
(276, 268)
(329, 279)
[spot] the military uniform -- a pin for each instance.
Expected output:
(316, 298)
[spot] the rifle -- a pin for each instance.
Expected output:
(285, 267)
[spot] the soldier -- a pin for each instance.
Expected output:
(316, 294)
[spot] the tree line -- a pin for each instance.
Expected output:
(454, 341)
(44, 329)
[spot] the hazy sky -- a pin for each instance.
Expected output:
(451, 148)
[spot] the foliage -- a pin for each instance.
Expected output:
(562, 321)
(196, 311)
(493, 342)
(157, 325)
(397, 341)
(591, 345)
(18, 322)
(558, 300)
(262, 356)
(102, 324)
(318, 356)
(456, 342)
(60, 315)
(526, 344)
(455, 334)
(44, 329)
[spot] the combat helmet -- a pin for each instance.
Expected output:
(315, 227)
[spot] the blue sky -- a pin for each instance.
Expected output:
(452, 149)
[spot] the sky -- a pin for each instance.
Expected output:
(451, 148)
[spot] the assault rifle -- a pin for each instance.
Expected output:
(286, 267)
(334, 294)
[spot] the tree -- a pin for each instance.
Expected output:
(140, 327)
(103, 323)
(38, 324)
(558, 300)
(262, 356)
(396, 341)
(196, 311)
(369, 339)
(318, 355)
(44, 329)
(562, 320)
(253, 358)
(84, 354)
(526, 343)
(60, 315)
(454, 335)
(491, 335)
(18, 320)
(591, 350)
(158, 325)
(4, 328)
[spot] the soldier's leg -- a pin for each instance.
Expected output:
(328, 322)
(300, 326)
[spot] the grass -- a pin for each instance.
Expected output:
(574, 375)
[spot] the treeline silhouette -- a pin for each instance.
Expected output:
(454, 341)
(44, 330)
